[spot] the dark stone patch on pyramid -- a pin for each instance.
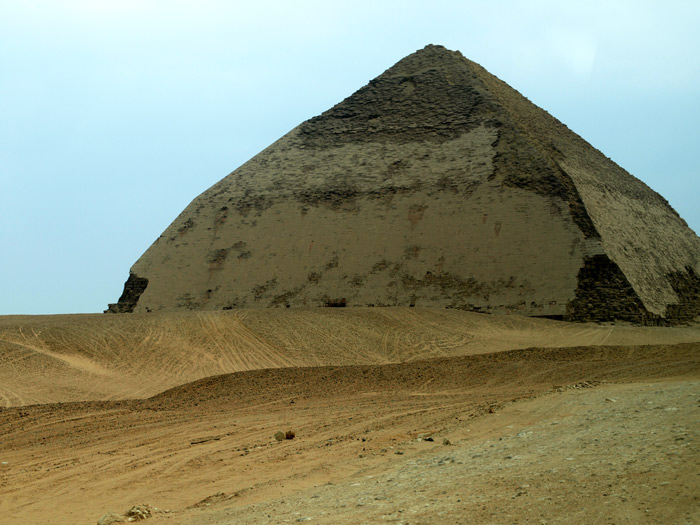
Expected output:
(434, 185)
(133, 288)
(413, 101)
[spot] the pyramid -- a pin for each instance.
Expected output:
(435, 185)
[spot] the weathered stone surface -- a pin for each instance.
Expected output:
(133, 288)
(434, 185)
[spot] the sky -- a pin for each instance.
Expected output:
(114, 115)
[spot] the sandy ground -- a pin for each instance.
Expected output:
(618, 454)
(577, 434)
(61, 358)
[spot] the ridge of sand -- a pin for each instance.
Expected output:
(96, 357)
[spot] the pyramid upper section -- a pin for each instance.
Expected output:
(433, 95)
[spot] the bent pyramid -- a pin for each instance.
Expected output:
(434, 185)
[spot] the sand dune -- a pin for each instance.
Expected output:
(47, 359)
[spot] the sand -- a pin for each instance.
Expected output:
(547, 422)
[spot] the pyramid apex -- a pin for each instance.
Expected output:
(439, 51)
(438, 48)
(434, 47)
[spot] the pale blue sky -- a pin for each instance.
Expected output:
(114, 115)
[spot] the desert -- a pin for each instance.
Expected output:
(399, 415)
